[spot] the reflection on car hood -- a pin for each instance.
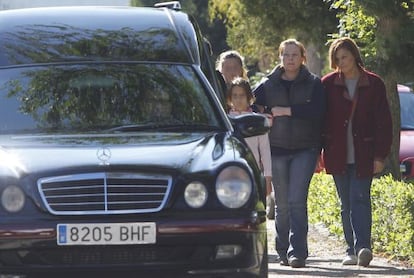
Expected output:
(406, 144)
(24, 154)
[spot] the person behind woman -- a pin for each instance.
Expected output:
(296, 99)
(231, 64)
(358, 136)
(241, 98)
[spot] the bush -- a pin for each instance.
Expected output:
(392, 213)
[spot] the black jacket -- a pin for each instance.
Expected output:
(307, 101)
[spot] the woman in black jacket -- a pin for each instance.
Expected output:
(295, 98)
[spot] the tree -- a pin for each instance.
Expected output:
(256, 28)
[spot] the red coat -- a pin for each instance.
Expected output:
(371, 123)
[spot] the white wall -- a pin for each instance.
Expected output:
(16, 4)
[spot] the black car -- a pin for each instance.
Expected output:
(116, 155)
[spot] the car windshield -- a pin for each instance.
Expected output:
(407, 111)
(102, 97)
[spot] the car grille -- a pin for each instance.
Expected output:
(104, 193)
(107, 256)
(116, 255)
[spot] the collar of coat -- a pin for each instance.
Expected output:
(277, 72)
(363, 80)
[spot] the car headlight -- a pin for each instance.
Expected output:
(233, 187)
(12, 198)
(195, 194)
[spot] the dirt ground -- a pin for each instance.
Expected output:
(325, 256)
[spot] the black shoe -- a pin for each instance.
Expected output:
(296, 262)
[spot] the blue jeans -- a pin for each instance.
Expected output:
(355, 196)
(291, 178)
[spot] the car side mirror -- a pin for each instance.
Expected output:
(252, 124)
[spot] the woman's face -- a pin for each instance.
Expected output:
(231, 68)
(345, 61)
(239, 99)
(291, 58)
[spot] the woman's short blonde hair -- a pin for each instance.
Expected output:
(302, 49)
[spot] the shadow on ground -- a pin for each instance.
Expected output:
(320, 267)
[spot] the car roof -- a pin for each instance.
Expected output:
(96, 33)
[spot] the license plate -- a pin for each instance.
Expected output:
(106, 233)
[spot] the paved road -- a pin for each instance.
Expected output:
(326, 254)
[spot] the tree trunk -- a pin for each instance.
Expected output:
(387, 27)
(314, 61)
(393, 161)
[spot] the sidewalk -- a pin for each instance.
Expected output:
(325, 256)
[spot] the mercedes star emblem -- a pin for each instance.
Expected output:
(104, 154)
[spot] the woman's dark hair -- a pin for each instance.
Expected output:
(344, 43)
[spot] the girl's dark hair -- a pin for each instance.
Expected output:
(243, 83)
(348, 44)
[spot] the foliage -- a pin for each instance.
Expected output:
(136, 3)
(323, 203)
(384, 31)
(393, 218)
(361, 27)
(392, 213)
(256, 28)
(238, 24)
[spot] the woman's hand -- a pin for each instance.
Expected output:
(281, 111)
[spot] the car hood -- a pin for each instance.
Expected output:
(406, 144)
(30, 154)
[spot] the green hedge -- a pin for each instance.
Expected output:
(392, 214)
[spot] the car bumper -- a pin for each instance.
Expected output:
(193, 248)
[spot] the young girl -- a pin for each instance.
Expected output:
(241, 98)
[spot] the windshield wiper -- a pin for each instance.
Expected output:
(164, 127)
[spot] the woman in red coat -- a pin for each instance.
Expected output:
(358, 136)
